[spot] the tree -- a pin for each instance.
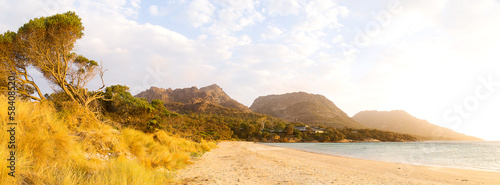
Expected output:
(13, 64)
(262, 121)
(280, 125)
(119, 100)
(289, 129)
(265, 134)
(157, 104)
(47, 44)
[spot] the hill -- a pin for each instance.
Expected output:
(303, 107)
(210, 98)
(203, 117)
(402, 122)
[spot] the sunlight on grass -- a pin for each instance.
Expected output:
(74, 147)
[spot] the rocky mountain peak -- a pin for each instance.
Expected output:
(303, 107)
(213, 87)
(210, 95)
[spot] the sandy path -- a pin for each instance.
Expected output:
(249, 163)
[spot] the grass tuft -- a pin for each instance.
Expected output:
(71, 146)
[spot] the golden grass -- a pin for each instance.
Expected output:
(73, 147)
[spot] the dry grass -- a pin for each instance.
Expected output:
(73, 147)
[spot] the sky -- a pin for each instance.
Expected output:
(438, 60)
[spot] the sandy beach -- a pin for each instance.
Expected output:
(251, 163)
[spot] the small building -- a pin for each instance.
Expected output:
(306, 128)
(301, 128)
(276, 131)
(317, 130)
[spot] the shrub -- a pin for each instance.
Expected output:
(73, 147)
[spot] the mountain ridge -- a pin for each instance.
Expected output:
(308, 108)
(304, 107)
(402, 122)
(192, 98)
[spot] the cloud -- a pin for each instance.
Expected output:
(282, 7)
(428, 55)
(271, 33)
(337, 39)
(135, 3)
(220, 57)
(17, 13)
(200, 12)
(234, 16)
(153, 10)
(322, 14)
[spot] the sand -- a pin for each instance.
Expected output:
(251, 163)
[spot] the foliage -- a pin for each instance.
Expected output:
(220, 123)
(47, 44)
(119, 100)
(12, 65)
(73, 147)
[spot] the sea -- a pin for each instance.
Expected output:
(475, 155)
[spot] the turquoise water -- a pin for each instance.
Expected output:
(480, 155)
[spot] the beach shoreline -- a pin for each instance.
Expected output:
(401, 161)
(254, 163)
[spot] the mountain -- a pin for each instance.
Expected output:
(193, 99)
(402, 122)
(303, 107)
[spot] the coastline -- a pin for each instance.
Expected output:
(401, 161)
(252, 163)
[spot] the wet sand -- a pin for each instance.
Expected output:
(251, 163)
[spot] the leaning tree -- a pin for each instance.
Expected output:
(47, 45)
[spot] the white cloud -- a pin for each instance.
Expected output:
(200, 12)
(337, 39)
(320, 15)
(282, 7)
(271, 33)
(153, 10)
(110, 8)
(234, 16)
(135, 3)
(16, 13)
(430, 54)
